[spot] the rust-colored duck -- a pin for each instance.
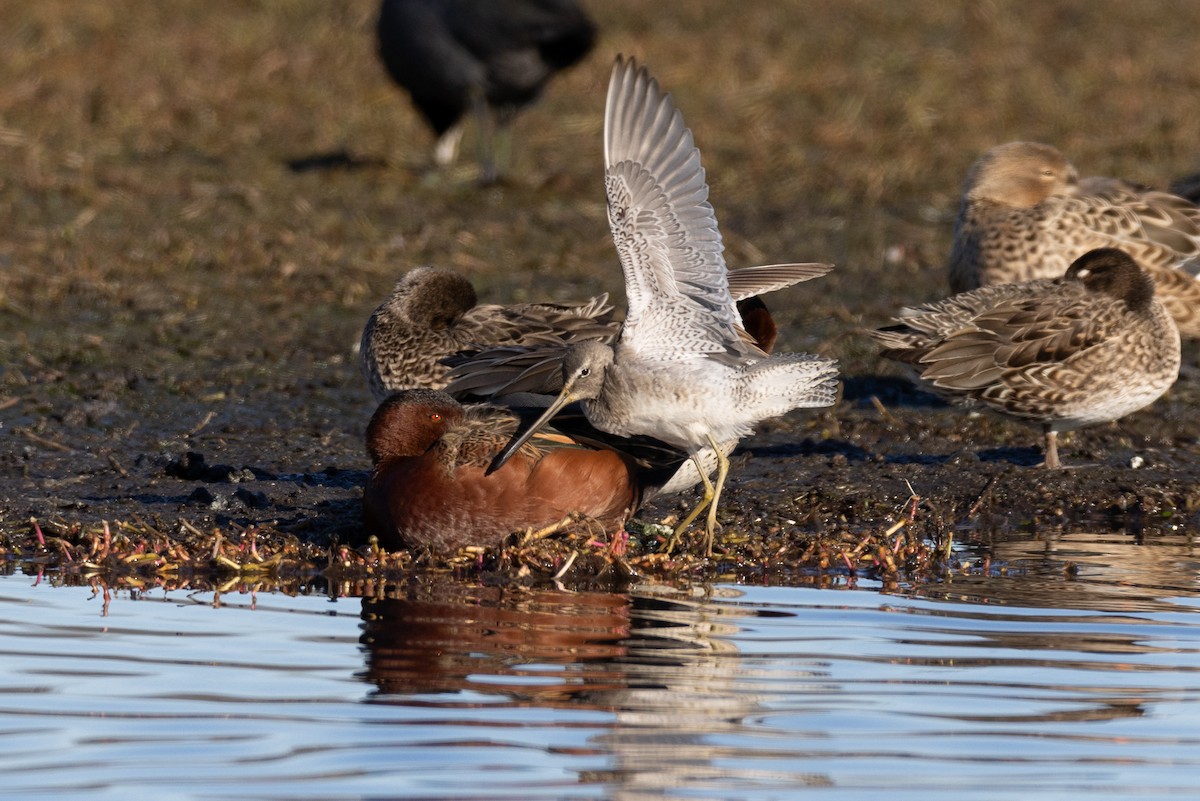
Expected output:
(430, 487)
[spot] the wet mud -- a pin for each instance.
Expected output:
(179, 304)
(888, 466)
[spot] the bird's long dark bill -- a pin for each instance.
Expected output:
(515, 444)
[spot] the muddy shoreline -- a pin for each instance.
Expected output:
(178, 299)
(845, 477)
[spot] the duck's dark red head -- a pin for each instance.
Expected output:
(408, 423)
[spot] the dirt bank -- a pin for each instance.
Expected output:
(178, 302)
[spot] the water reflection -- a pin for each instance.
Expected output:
(690, 697)
(661, 662)
(450, 688)
(439, 635)
(757, 691)
(1114, 571)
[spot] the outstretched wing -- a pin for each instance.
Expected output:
(663, 226)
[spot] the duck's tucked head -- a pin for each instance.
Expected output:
(431, 297)
(1114, 272)
(1020, 174)
(409, 422)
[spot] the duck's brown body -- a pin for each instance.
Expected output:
(430, 486)
(1090, 347)
(1026, 215)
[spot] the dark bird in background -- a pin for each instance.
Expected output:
(492, 57)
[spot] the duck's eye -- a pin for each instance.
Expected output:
(584, 372)
(436, 417)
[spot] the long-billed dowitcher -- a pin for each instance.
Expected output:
(1089, 347)
(430, 486)
(1024, 215)
(681, 370)
(492, 57)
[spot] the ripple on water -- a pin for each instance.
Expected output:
(1042, 684)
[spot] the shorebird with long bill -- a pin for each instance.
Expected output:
(682, 370)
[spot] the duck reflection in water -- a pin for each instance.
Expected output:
(438, 636)
(681, 708)
(431, 488)
(660, 663)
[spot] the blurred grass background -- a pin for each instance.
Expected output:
(154, 236)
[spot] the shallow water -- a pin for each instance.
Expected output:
(1049, 681)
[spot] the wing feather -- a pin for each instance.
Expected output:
(664, 228)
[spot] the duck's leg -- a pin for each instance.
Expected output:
(709, 494)
(1051, 462)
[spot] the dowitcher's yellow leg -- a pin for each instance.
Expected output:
(709, 493)
(722, 472)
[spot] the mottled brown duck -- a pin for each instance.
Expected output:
(1061, 353)
(1025, 215)
(433, 314)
